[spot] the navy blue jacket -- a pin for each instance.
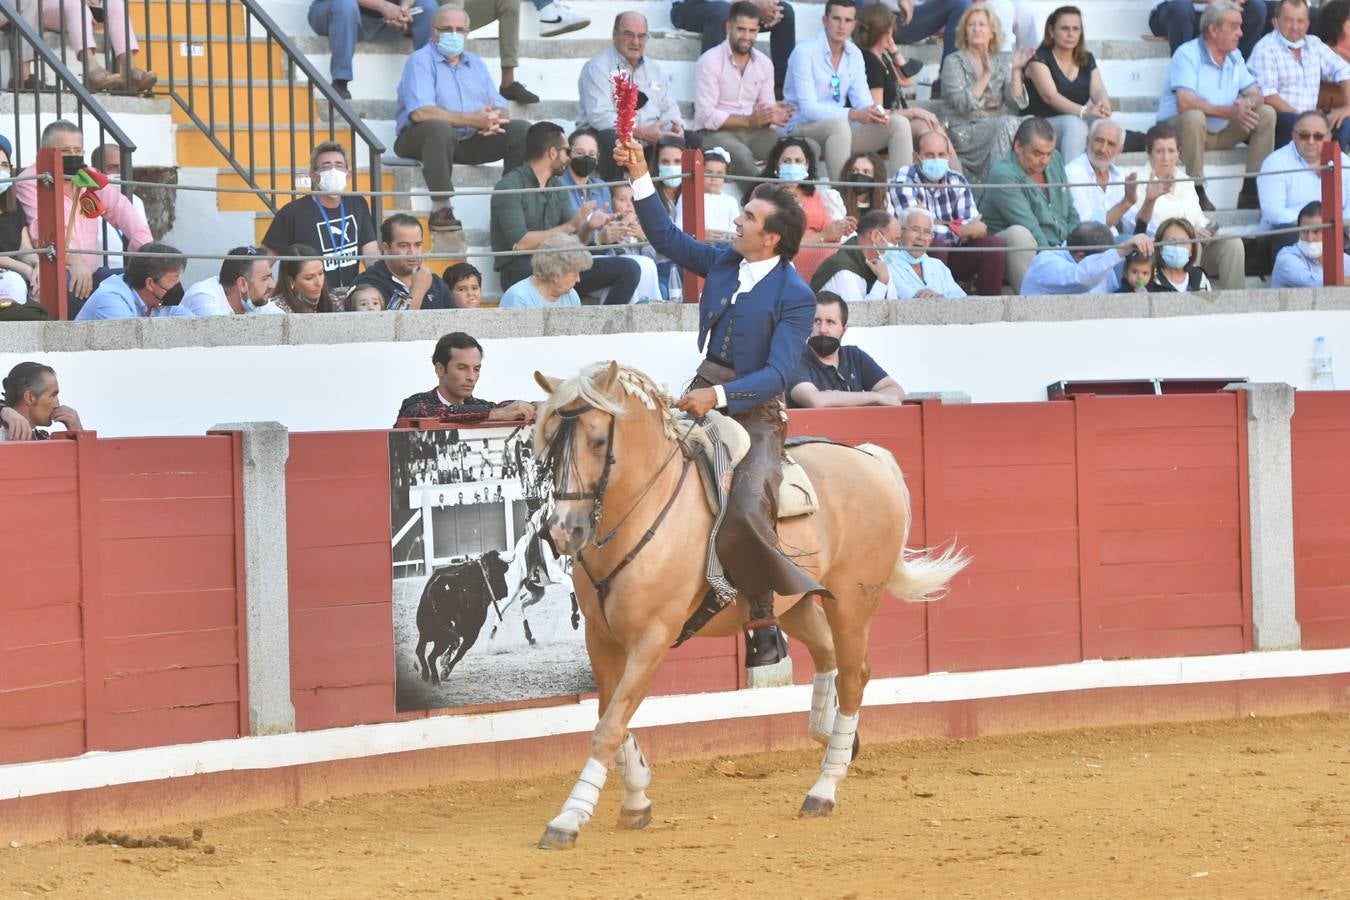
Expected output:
(763, 334)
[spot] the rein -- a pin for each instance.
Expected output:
(561, 455)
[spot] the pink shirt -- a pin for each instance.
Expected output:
(721, 89)
(87, 236)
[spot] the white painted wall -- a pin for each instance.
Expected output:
(359, 386)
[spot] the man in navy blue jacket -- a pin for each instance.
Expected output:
(755, 315)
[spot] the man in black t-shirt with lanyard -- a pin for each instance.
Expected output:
(338, 224)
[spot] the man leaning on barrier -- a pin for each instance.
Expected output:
(831, 375)
(458, 362)
(33, 402)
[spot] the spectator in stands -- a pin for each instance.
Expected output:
(554, 272)
(1214, 102)
(657, 118)
(244, 285)
(302, 287)
(930, 183)
(583, 159)
(466, 285)
(405, 281)
(827, 89)
(13, 223)
(857, 271)
(449, 111)
(719, 210)
(793, 163)
(918, 20)
(1137, 273)
(887, 69)
(1333, 27)
(1171, 195)
(1086, 264)
(107, 158)
(984, 90)
(17, 301)
(347, 21)
(75, 19)
(1290, 65)
(1107, 201)
(554, 19)
(1300, 263)
(625, 230)
(364, 298)
(458, 362)
(1176, 268)
(118, 212)
(666, 159)
(523, 217)
(337, 223)
(831, 375)
(710, 18)
(868, 173)
(1284, 195)
(1181, 20)
(149, 286)
(734, 105)
(1046, 211)
(914, 272)
(33, 402)
(1064, 85)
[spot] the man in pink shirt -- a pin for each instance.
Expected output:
(734, 104)
(120, 214)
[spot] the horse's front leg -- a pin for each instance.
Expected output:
(640, 664)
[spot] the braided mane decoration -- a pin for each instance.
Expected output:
(635, 384)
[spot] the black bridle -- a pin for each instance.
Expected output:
(561, 457)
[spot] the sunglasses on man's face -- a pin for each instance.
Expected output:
(1318, 136)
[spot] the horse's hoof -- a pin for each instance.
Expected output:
(815, 807)
(635, 819)
(557, 839)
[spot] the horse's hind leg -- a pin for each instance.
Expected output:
(805, 622)
(850, 619)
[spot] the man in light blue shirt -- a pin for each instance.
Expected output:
(1214, 102)
(449, 110)
(1078, 267)
(150, 286)
(824, 74)
(914, 273)
(1283, 195)
(1300, 263)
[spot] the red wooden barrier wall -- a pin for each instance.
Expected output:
(1102, 527)
(122, 598)
(1320, 433)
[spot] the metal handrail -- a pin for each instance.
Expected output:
(342, 120)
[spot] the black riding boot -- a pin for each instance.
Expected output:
(764, 644)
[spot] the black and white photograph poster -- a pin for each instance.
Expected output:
(483, 610)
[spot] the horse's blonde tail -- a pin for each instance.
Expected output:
(919, 576)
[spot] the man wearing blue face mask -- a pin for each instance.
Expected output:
(916, 274)
(450, 111)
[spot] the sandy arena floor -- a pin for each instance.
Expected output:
(1248, 808)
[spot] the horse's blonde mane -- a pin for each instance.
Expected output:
(585, 388)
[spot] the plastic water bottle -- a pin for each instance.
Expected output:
(1323, 379)
(675, 284)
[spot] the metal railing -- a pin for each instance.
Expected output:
(229, 61)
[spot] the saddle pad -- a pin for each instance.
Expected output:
(796, 495)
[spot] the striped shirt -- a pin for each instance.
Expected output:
(950, 200)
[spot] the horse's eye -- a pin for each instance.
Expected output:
(597, 443)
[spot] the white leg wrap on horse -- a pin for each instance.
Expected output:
(580, 804)
(824, 705)
(636, 773)
(838, 754)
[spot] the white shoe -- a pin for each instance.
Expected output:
(556, 19)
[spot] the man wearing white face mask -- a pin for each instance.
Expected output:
(1290, 65)
(917, 275)
(1300, 264)
(337, 223)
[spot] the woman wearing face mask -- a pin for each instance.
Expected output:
(865, 167)
(301, 287)
(14, 224)
(1164, 196)
(583, 156)
(1300, 263)
(667, 159)
(1175, 270)
(792, 162)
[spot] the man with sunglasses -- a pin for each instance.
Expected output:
(658, 113)
(1294, 181)
(243, 286)
(150, 286)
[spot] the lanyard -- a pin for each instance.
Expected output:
(334, 235)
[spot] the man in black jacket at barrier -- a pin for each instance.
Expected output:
(458, 361)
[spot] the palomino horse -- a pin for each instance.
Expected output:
(637, 526)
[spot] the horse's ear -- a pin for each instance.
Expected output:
(607, 380)
(548, 384)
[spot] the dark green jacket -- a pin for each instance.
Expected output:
(845, 259)
(515, 214)
(1049, 219)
